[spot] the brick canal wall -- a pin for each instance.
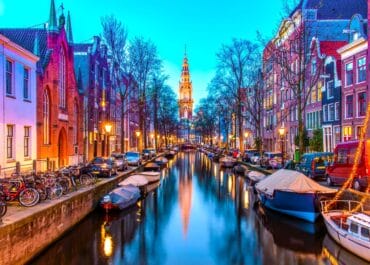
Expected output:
(30, 230)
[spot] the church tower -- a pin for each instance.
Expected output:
(186, 91)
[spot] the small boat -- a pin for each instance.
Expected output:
(152, 167)
(161, 161)
(151, 176)
(170, 154)
(152, 186)
(240, 169)
(227, 161)
(136, 180)
(292, 193)
(217, 157)
(348, 225)
(255, 176)
(120, 198)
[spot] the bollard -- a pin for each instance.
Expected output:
(17, 167)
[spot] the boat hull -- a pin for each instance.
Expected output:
(346, 240)
(300, 205)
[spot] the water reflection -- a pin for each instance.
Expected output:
(198, 215)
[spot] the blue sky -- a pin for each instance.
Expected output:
(202, 25)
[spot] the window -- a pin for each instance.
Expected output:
(349, 106)
(75, 129)
(361, 70)
(313, 95)
(347, 133)
(26, 86)
(319, 91)
(360, 130)
(27, 141)
(46, 117)
(337, 135)
(361, 104)
(9, 77)
(337, 109)
(353, 228)
(62, 83)
(349, 74)
(330, 89)
(342, 156)
(331, 112)
(313, 67)
(365, 232)
(9, 141)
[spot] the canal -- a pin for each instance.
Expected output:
(198, 215)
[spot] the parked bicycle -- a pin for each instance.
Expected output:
(15, 189)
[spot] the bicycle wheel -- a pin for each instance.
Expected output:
(3, 208)
(43, 194)
(29, 197)
(65, 184)
(86, 180)
(55, 192)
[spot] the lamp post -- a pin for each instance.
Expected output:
(246, 135)
(137, 133)
(282, 138)
(108, 128)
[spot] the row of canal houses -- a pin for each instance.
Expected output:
(334, 66)
(57, 98)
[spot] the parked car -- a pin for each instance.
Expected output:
(271, 160)
(153, 152)
(255, 159)
(102, 167)
(120, 160)
(246, 157)
(314, 165)
(344, 156)
(133, 158)
(146, 154)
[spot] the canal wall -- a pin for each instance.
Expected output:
(28, 231)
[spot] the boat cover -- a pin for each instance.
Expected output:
(125, 193)
(290, 180)
(136, 180)
(152, 174)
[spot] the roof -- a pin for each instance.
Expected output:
(26, 37)
(361, 219)
(291, 181)
(334, 9)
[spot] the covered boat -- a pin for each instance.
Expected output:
(255, 176)
(349, 225)
(136, 180)
(151, 176)
(152, 167)
(120, 198)
(292, 193)
(240, 169)
(227, 161)
(161, 161)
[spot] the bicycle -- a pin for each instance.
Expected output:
(15, 189)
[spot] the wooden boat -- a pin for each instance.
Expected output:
(349, 228)
(240, 169)
(152, 167)
(136, 180)
(292, 193)
(120, 198)
(161, 161)
(227, 161)
(151, 176)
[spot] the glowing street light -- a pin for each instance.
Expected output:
(282, 136)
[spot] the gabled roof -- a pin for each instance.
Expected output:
(334, 9)
(26, 37)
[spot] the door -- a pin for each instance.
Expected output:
(62, 148)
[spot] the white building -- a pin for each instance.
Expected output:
(17, 106)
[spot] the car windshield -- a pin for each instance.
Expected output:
(98, 160)
(132, 154)
(323, 160)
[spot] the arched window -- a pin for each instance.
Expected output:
(75, 125)
(46, 117)
(62, 79)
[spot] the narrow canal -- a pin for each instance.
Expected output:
(198, 215)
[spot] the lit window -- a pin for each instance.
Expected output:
(9, 142)
(9, 77)
(361, 70)
(349, 74)
(347, 133)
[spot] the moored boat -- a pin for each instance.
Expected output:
(152, 167)
(161, 161)
(120, 198)
(170, 154)
(255, 176)
(240, 169)
(227, 161)
(292, 193)
(348, 225)
(151, 176)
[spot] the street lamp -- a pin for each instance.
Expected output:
(108, 128)
(137, 133)
(282, 137)
(246, 135)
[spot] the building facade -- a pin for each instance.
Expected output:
(59, 130)
(354, 79)
(17, 106)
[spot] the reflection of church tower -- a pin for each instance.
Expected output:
(185, 195)
(186, 98)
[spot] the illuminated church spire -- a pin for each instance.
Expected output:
(185, 91)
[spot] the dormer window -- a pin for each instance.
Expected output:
(62, 79)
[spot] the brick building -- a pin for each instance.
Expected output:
(59, 116)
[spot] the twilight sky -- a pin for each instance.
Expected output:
(203, 25)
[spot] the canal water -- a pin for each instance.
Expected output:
(198, 215)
